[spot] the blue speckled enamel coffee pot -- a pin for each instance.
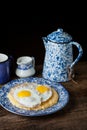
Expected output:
(58, 61)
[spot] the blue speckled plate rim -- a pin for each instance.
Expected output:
(62, 102)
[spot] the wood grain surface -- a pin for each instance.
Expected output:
(72, 117)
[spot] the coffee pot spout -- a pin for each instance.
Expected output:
(45, 41)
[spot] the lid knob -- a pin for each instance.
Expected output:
(60, 30)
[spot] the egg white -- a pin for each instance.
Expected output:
(46, 95)
(28, 101)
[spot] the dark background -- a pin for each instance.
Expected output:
(26, 39)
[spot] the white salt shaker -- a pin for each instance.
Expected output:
(25, 66)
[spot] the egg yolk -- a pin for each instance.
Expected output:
(24, 93)
(42, 89)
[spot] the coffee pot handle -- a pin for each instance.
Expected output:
(79, 55)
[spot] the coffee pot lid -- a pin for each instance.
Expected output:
(59, 36)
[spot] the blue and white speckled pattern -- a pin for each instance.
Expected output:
(59, 36)
(5, 103)
(59, 56)
(24, 67)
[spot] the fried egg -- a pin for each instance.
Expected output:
(27, 96)
(44, 91)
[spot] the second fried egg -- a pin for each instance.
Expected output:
(44, 91)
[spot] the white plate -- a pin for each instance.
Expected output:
(5, 103)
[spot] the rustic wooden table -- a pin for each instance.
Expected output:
(72, 117)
